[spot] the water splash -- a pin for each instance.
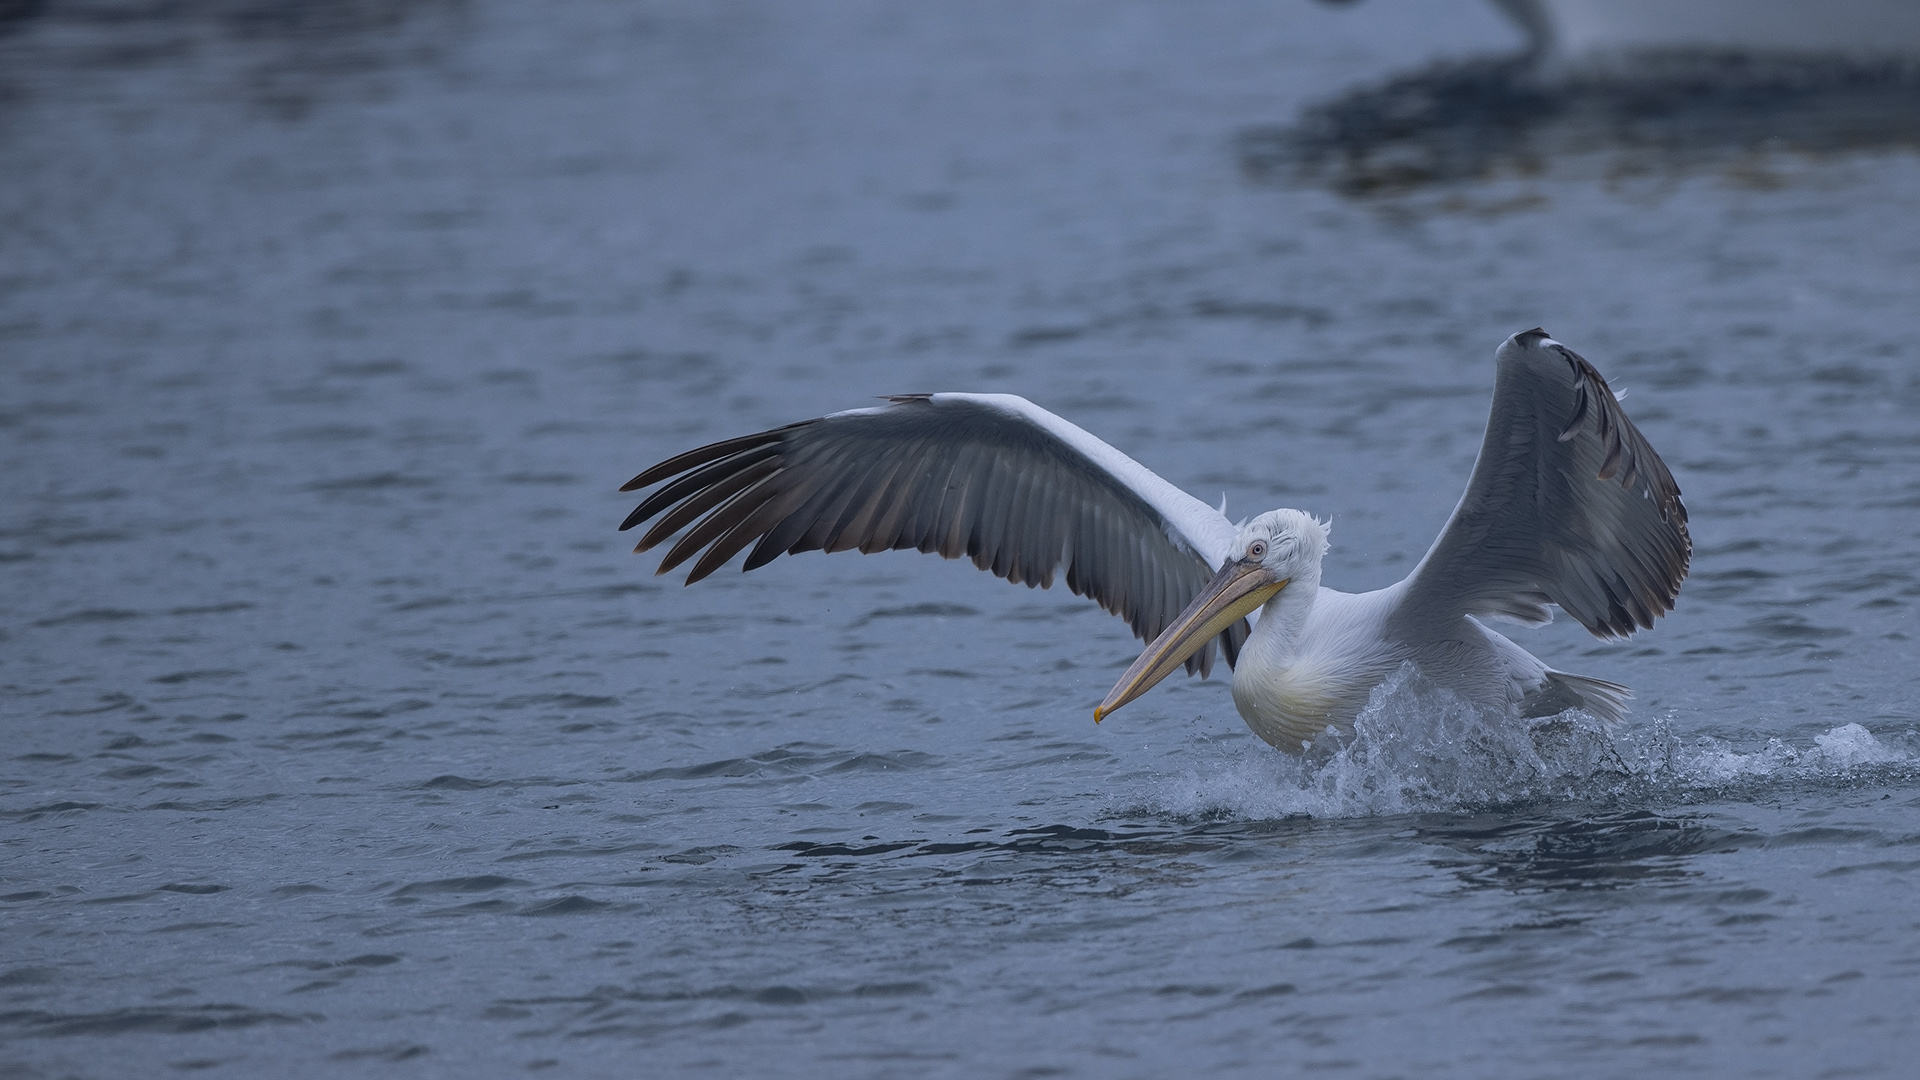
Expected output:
(1419, 748)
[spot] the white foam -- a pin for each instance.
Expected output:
(1419, 748)
(1850, 745)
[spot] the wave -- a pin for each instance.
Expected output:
(1418, 748)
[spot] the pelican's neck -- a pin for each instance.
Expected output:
(1283, 619)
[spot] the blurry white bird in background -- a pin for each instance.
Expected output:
(1580, 28)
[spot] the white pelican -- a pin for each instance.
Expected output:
(1579, 28)
(1864, 28)
(1567, 505)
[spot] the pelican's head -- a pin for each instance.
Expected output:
(1269, 553)
(1288, 544)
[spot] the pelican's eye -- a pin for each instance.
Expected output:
(1257, 549)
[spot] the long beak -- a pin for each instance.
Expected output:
(1235, 591)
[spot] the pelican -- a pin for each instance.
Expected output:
(1568, 505)
(1863, 29)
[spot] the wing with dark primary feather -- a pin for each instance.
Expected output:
(990, 477)
(1568, 505)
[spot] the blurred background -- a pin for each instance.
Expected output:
(341, 725)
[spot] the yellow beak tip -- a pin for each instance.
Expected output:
(1097, 715)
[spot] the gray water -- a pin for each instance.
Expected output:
(343, 733)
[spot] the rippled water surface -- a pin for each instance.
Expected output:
(343, 733)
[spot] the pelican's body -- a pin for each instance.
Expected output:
(1568, 505)
(1316, 654)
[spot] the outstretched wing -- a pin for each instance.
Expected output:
(1568, 505)
(992, 477)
